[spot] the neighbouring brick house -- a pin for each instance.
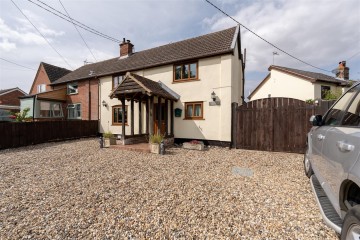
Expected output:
(10, 102)
(43, 101)
(182, 90)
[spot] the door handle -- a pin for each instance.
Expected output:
(320, 137)
(345, 147)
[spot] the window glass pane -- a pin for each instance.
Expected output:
(115, 112)
(352, 116)
(71, 113)
(72, 88)
(324, 91)
(186, 71)
(44, 109)
(197, 110)
(56, 110)
(193, 70)
(177, 72)
(117, 80)
(189, 111)
(78, 110)
(334, 115)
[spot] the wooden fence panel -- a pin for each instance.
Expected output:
(15, 134)
(275, 124)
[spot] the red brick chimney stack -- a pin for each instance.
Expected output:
(126, 48)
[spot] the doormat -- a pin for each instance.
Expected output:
(244, 172)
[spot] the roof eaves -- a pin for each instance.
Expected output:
(293, 73)
(232, 46)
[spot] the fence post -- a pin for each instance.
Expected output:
(234, 120)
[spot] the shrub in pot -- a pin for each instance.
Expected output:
(154, 141)
(109, 139)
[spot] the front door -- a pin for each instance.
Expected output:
(156, 121)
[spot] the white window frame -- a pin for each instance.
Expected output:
(70, 88)
(41, 88)
(74, 106)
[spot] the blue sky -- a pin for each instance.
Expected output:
(321, 32)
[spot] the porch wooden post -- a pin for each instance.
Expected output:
(151, 117)
(172, 117)
(147, 115)
(159, 116)
(140, 118)
(166, 117)
(132, 116)
(123, 120)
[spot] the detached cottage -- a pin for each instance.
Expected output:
(182, 90)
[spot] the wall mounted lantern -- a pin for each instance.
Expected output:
(215, 99)
(104, 103)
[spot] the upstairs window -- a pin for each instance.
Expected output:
(117, 80)
(72, 88)
(41, 88)
(186, 71)
(194, 110)
(74, 111)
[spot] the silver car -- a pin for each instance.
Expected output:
(332, 161)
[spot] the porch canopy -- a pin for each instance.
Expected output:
(135, 88)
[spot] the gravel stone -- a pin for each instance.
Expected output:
(75, 190)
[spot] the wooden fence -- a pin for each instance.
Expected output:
(14, 134)
(273, 124)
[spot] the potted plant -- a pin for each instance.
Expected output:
(154, 141)
(194, 144)
(109, 139)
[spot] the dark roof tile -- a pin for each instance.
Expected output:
(54, 72)
(207, 45)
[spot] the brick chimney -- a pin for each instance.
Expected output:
(126, 48)
(343, 71)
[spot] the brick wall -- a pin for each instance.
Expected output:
(11, 98)
(89, 101)
(40, 78)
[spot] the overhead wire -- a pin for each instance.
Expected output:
(17, 64)
(41, 34)
(273, 45)
(72, 20)
(78, 31)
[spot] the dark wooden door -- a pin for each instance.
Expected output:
(156, 120)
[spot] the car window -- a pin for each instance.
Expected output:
(334, 115)
(352, 115)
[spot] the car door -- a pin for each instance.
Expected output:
(339, 152)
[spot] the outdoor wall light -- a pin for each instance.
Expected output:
(215, 100)
(213, 96)
(104, 103)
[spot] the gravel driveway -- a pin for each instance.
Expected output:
(73, 190)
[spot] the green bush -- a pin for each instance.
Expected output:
(156, 138)
(108, 134)
(330, 95)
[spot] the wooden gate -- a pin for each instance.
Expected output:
(272, 124)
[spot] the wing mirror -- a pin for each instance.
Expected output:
(316, 120)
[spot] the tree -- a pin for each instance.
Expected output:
(22, 116)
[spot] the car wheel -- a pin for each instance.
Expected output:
(307, 164)
(351, 225)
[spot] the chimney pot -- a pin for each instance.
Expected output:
(126, 48)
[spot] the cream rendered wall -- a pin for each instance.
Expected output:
(285, 85)
(215, 74)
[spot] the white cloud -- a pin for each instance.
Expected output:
(6, 46)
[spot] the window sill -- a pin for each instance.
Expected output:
(72, 94)
(186, 80)
(119, 124)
